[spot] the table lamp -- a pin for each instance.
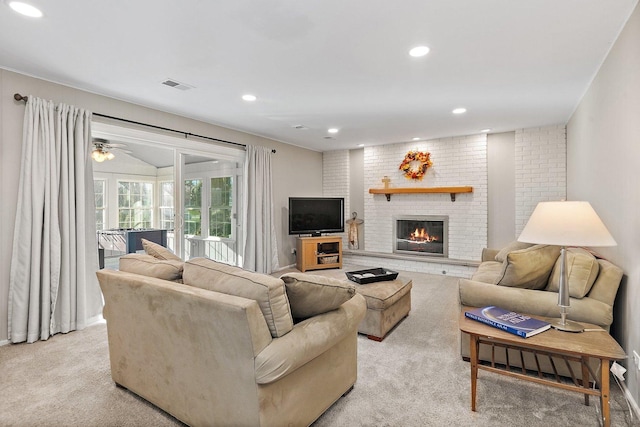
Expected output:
(565, 223)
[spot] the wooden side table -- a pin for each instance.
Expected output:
(579, 347)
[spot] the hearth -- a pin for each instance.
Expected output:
(421, 235)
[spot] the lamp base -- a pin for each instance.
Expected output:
(566, 325)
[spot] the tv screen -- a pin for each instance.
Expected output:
(316, 215)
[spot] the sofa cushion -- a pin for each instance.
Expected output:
(158, 251)
(147, 265)
(582, 269)
(488, 272)
(268, 291)
(513, 246)
(528, 268)
(310, 295)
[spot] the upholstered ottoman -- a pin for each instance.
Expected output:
(387, 304)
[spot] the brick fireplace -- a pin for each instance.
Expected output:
(421, 235)
(539, 164)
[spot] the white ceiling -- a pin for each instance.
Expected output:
(326, 63)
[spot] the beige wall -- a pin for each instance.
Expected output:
(502, 189)
(294, 169)
(603, 152)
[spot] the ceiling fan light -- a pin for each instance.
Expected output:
(109, 156)
(98, 155)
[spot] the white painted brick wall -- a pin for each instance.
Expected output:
(540, 165)
(540, 169)
(335, 179)
(457, 161)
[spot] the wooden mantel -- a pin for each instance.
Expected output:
(413, 190)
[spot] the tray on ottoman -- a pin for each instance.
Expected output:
(371, 275)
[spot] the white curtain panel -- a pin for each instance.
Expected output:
(53, 287)
(260, 252)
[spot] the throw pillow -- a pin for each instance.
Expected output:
(146, 265)
(158, 251)
(528, 268)
(268, 291)
(513, 246)
(311, 295)
(582, 269)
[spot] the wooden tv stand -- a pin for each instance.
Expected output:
(317, 253)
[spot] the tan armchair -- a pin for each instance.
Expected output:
(210, 358)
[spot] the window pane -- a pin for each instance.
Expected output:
(166, 205)
(135, 204)
(193, 204)
(167, 194)
(221, 207)
(193, 193)
(99, 187)
(192, 221)
(135, 188)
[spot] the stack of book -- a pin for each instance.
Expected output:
(510, 321)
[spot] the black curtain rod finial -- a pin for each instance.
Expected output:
(19, 97)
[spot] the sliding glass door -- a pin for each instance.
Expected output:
(210, 208)
(190, 189)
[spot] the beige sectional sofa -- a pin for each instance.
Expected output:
(524, 278)
(222, 348)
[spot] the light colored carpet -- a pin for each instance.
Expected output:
(415, 377)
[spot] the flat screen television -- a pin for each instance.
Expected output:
(316, 215)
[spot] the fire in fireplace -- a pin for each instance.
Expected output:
(421, 235)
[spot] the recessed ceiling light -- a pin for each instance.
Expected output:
(417, 138)
(249, 97)
(485, 130)
(419, 51)
(360, 145)
(459, 111)
(332, 130)
(25, 9)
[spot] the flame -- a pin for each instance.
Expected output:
(421, 235)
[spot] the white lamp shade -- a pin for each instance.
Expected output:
(566, 224)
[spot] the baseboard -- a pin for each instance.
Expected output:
(627, 394)
(284, 268)
(92, 321)
(96, 319)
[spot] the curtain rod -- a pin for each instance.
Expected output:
(19, 97)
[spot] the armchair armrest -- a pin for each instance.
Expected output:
(308, 340)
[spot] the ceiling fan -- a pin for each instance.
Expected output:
(102, 149)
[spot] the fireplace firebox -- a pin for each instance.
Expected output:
(421, 235)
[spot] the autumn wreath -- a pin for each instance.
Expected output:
(410, 160)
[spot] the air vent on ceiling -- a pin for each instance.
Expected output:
(177, 85)
(328, 137)
(300, 127)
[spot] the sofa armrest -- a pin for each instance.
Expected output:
(537, 302)
(309, 339)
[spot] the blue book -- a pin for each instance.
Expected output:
(510, 321)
